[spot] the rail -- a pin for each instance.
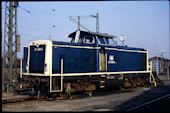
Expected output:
(152, 101)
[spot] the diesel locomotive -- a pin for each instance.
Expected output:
(89, 62)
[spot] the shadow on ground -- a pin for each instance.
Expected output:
(146, 96)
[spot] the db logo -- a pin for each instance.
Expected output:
(111, 60)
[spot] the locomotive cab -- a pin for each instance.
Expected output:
(83, 37)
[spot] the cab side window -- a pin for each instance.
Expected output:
(110, 41)
(89, 39)
(101, 40)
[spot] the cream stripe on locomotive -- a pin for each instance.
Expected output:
(92, 73)
(87, 47)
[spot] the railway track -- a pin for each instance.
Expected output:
(18, 99)
(81, 95)
(28, 98)
(127, 99)
(159, 104)
(10, 101)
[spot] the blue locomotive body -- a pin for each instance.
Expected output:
(86, 59)
(91, 58)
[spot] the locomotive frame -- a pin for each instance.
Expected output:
(55, 82)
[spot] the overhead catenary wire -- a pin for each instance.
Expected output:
(40, 30)
(54, 10)
(70, 17)
(48, 6)
(42, 11)
(32, 20)
(73, 20)
(42, 19)
(37, 16)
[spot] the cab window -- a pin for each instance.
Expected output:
(89, 39)
(110, 41)
(101, 40)
(107, 41)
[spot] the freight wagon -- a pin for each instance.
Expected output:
(90, 61)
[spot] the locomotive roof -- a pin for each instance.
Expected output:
(72, 35)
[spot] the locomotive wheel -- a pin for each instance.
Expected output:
(37, 81)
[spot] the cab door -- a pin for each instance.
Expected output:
(102, 60)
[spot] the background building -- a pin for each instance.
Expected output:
(163, 65)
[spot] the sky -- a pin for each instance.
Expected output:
(144, 23)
